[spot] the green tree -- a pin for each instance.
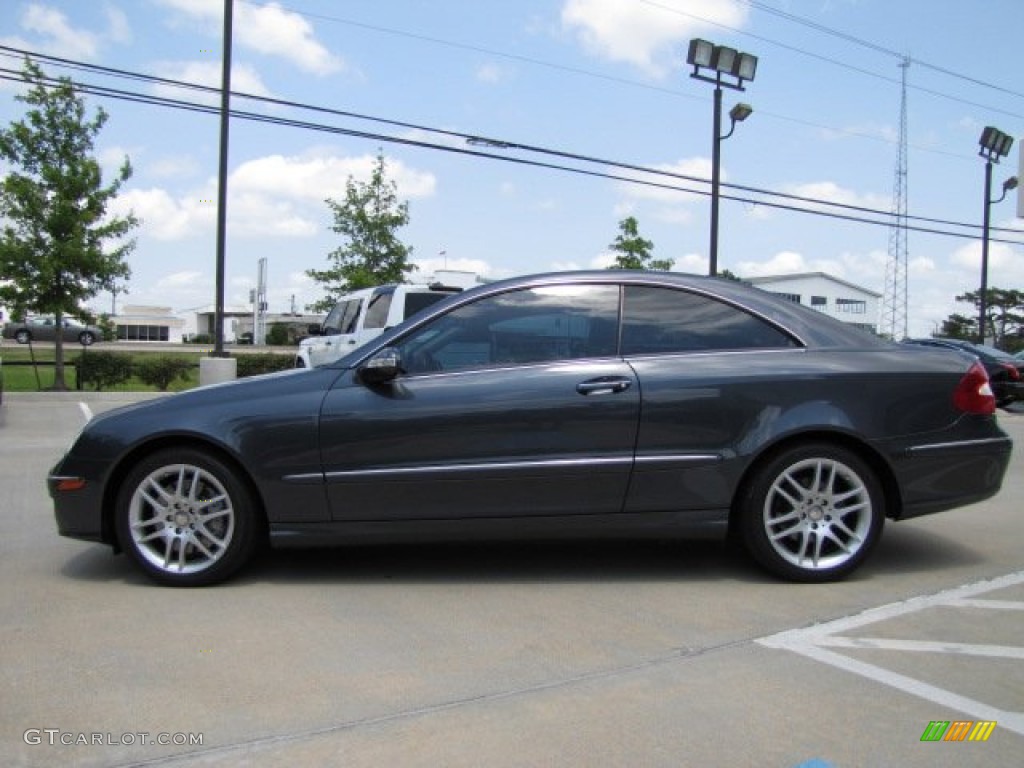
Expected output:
(58, 247)
(633, 251)
(1004, 314)
(726, 274)
(371, 254)
(958, 326)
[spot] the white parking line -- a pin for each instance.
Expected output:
(813, 643)
(86, 411)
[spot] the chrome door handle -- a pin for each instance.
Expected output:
(605, 385)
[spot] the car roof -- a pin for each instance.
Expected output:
(810, 327)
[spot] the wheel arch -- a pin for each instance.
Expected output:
(875, 461)
(139, 453)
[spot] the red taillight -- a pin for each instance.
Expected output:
(1012, 371)
(974, 393)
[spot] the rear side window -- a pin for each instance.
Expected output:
(417, 302)
(666, 320)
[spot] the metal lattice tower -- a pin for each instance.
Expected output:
(893, 321)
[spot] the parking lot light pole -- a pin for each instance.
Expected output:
(729, 68)
(994, 145)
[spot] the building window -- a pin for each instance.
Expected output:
(143, 332)
(852, 306)
(819, 303)
(794, 297)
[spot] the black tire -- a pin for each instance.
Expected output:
(812, 513)
(22, 336)
(86, 338)
(187, 519)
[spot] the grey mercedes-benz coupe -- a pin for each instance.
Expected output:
(573, 404)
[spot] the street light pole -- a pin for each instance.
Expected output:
(716, 179)
(994, 145)
(986, 219)
(740, 67)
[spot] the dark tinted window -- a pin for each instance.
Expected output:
(377, 311)
(664, 320)
(519, 327)
(415, 302)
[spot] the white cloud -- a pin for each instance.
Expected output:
(782, 263)
(648, 36)
(832, 192)
(53, 33)
(244, 79)
(491, 73)
(118, 28)
(696, 167)
(268, 29)
(163, 217)
(57, 34)
(273, 196)
(320, 174)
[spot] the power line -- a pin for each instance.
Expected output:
(764, 197)
(762, 6)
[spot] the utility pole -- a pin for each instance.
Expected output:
(894, 296)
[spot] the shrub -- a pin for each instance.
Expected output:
(103, 369)
(161, 372)
(268, 362)
(278, 335)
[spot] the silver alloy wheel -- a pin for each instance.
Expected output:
(181, 519)
(818, 514)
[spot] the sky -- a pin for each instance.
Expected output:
(599, 79)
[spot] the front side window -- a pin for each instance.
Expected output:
(377, 311)
(533, 325)
(668, 321)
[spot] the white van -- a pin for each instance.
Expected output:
(363, 315)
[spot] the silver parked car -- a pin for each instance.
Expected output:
(44, 328)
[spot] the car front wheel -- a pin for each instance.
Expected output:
(812, 513)
(85, 338)
(23, 337)
(186, 518)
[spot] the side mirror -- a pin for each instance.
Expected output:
(313, 330)
(382, 367)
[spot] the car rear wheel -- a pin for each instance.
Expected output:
(186, 518)
(23, 336)
(85, 338)
(812, 513)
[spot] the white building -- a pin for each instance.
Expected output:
(146, 323)
(829, 295)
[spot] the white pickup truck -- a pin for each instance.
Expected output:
(363, 315)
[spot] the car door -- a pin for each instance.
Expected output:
(512, 405)
(712, 375)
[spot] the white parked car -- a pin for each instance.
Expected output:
(363, 315)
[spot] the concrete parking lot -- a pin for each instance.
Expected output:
(576, 654)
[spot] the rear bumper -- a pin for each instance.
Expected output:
(945, 475)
